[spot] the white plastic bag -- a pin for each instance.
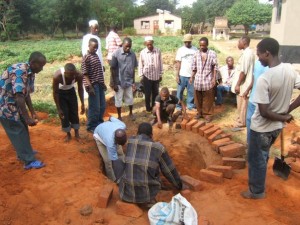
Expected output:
(178, 211)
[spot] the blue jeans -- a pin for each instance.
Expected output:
(96, 107)
(184, 83)
(258, 156)
(18, 134)
(220, 90)
(250, 110)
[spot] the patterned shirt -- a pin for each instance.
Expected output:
(125, 63)
(18, 78)
(204, 75)
(150, 64)
(113, 42)
(143, 161)
(92, 67)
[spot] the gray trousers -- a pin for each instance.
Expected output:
(18, 134)
(113, 169)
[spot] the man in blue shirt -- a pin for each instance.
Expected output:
(16, 85)
(110, 136)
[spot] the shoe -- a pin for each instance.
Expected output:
(197, 117)
(235, 129)
(208, 119)
(90, 130)
(34, 165)
(249, 195)
(153, 122)
(132, 117)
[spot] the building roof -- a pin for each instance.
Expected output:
(156, 16)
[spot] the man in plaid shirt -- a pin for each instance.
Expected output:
(204, 69)
(144, 160)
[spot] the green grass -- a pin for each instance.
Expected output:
(58, 51)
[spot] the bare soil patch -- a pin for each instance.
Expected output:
(73, 178)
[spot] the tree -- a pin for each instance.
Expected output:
(199, 14)
(186, 14)
(217, 8)
(249, 12)
(9, 19)
(152, 5)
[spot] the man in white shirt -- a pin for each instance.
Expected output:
(184, 60)
(273, 93)
(242, 81)
(226, 75)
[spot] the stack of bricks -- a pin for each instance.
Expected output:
(232, 153)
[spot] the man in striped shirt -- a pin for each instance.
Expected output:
(204, 68)
(150, 72)
(113, 42)
(93, 80)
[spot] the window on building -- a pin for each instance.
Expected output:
(278, 10)
(169, 23)
(145, 24)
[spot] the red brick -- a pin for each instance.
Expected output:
(128, 209)
(210, 131)
(226, 170)
(236, 163)
(202, 129)
(295, 166)
(213, 136)
(233, 150)
(196, 127)
(187, 194)
(223, 135)
(221, 142)
(183, 123)
(192, 183)
(105, 196)
(190, 124)
(211, 176)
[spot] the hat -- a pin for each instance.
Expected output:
(148, 38)
(187, 38)
(93, 23)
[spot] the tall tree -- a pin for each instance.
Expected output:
(249, 12)
(9, 19)
(199, 13)
(152, 5)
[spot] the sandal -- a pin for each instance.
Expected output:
(34, 165)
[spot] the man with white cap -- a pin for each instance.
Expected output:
(150, 72)
(94, 29)
(184, 60)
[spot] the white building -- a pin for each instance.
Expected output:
(164, 22)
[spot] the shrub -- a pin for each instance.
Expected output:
(129, 31)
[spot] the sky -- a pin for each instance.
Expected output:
(190, 2)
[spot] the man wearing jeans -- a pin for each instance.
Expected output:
(259, 69)
(184, 60)
(273, 93)
(110, 136)
(16, 85)
(226, 73)
(93, 80)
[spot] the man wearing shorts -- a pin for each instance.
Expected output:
(123, 64)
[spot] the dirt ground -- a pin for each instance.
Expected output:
(73, 179)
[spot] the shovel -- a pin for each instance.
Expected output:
(280, 167)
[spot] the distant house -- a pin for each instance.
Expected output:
(285, 29)
(164, 22)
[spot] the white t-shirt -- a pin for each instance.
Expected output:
(246, 65)
(274, 87)
(85, 46)
(185, 56)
